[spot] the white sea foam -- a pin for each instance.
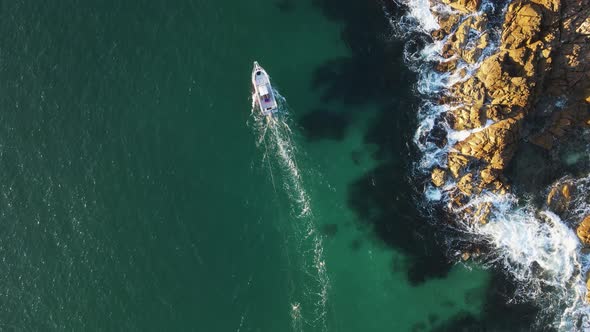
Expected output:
(455, 136)
(433, 194)
(530, 243)
(542, 252)
(420, 9)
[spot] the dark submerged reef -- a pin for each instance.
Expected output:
(388, 199)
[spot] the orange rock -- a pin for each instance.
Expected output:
(494, 144)
(438, 177)
(446, 66)
(482, 213)
(566, 192)
(560, 196)
(456, 163)
(438, 34)
(465, 6)
(488, 175)
(465, 184)
(522, 25)
(583, 231)
(447, 22)
(460, 41)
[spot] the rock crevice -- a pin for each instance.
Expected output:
(542, 60)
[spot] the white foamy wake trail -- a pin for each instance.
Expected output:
(310, 294)
(528, 242)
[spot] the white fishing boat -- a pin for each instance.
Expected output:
(263, 92)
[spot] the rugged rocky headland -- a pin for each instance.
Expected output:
(532, 86)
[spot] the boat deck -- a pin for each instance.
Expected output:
(261, 79)
(265, 94)
(267, 102)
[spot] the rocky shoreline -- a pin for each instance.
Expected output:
(528, 83)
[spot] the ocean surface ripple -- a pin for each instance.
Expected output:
(309, 293)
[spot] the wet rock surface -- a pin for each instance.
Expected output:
(583, 231)
(560, 196)
(438, 177)
(533, 87)
(465, 6)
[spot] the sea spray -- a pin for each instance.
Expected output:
(309, 296)
(542, 253)
(532, 244)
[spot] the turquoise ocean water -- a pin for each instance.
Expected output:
(140, 193)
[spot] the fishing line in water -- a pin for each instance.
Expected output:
(309, 292)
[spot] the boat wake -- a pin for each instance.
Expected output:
(533, 245)
(309, 281)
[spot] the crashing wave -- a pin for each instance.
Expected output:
(532, 242)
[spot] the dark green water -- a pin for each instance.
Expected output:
(134, 195)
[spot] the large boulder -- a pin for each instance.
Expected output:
(560, 196)
(447, 22)
(583, 231)
(494, 145)
(438, 177)
(469, 39)
(465, 6)
(522, 25)
(465, 184)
